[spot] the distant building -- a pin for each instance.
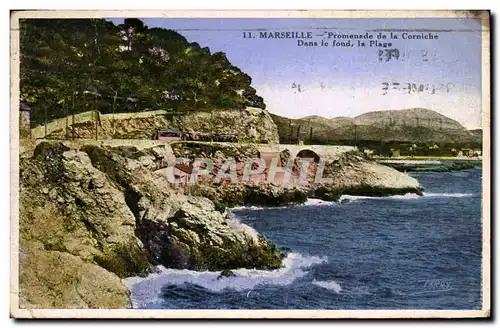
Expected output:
(467, 152)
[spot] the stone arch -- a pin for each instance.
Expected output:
(308, 153)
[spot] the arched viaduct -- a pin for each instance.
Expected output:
(326, 153)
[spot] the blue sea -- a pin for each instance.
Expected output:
(400, 252)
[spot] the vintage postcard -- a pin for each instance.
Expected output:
(250, 164)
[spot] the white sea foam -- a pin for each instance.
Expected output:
(147, 290)
(309, 202)
(408, 196)
(316, 202)
(243, 208)
(405, 196)
(353, 198)
(453, 195)
(236, 224)
(330, 285)
(349, 198)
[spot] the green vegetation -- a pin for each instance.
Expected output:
(70, 66)
(264, 256)
(124, 260)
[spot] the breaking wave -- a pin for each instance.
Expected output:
(345, 198)
(330, 285)
(146, 291)
(454, 195)
(309, 202)
(351, 198)
(315, 202)
(246, 208)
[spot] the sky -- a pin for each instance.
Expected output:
(349, 81)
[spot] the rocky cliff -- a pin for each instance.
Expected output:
(249, 125)
(90, 215)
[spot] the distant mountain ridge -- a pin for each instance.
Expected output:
(413, 117)
(405, 125)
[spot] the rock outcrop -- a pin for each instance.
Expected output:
(350, 173)
(102, 210)
(353, 174)
(54, 279)
(446, 165)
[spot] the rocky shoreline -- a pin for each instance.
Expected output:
(91, 215)
(438, 165)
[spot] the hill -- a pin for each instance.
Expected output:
(418, 125)
(414, 117)
(70, 66)
(477, 134)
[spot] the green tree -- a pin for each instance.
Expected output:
(74, 65)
